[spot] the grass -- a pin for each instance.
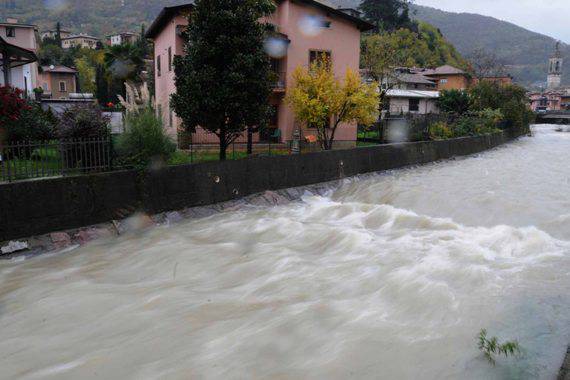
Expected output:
(187, 157)
(42, 163)
(364, 143)
(369, 135)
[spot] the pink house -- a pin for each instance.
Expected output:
(306, 29)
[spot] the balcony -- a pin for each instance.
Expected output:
(279, 81)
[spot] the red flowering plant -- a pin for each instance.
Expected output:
(11, 104)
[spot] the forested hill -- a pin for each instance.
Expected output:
(96, 17)
(524, 51)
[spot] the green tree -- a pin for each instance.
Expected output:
(388, 15)
(455, 102)
(86, 75)
(380, 55)
(223, 82)
(58, 34)
(510, 100)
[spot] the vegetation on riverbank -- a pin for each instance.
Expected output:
(490, 347)
(483, 109)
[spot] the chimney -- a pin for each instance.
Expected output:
(10, 20)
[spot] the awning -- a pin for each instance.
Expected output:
(12, 56)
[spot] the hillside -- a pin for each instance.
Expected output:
(96, 17)
(525, 52)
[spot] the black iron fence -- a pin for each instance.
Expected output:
(39, 159)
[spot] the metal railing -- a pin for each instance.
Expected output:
(280, 80)
(39, 159)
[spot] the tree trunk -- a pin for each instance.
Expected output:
(249, 141)
(223, 143)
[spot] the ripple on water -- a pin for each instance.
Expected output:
(389, 275)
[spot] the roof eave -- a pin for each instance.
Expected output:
(362, 25)
(163, 17)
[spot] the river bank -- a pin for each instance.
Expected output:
(44, 206)
(130, 202)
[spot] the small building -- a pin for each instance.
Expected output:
(501, 80)
(337, 36)
(448, 78)
(126, 38)
(549, 100)
(58, 82)
(52, 34)
(403, 102)
(18, 60)
(80, 40)
(411, 79)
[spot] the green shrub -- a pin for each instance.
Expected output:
(489, 120)
(83, 121)
(144, 141)
(440, 131)
(510, 100)
(33, 124)
(454, 102)
(465, 126)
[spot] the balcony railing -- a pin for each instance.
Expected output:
(280, 81)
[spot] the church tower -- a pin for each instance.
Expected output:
(554, 79)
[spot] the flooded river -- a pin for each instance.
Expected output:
(390, 276)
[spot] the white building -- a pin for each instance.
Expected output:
(122, 39)
(80, 40)
(53, 34)
(412, 101)
(18, 60)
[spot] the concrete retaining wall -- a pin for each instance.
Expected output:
(37, 207)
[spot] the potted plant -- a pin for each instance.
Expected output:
(38, 92)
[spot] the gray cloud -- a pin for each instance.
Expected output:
(548, 17)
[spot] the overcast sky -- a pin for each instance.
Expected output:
(550, 17)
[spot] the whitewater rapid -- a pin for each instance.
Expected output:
(389, 276)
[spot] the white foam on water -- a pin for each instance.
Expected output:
(390, 276)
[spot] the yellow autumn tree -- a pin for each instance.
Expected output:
(325, 103)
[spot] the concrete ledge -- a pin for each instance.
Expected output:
(37, 207)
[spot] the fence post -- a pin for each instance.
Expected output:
(111, 152)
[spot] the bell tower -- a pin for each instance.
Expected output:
(554, 79)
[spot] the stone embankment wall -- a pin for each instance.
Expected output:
(37, 207)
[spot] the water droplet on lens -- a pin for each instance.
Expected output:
(275, 47)
(311, 26)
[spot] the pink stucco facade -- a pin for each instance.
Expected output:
(339, 36)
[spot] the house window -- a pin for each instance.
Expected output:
(10, 31)
(170, 59)
(319, 56)
(158, 69)
(62, 87)
(443, 81)
(414, 105)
